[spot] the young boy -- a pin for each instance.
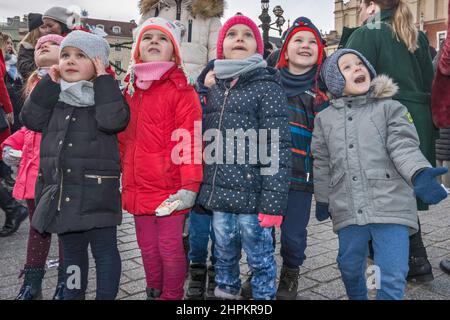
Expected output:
(368, 166)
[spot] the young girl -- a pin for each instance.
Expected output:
(368, 166)
(79, 109)
(299, 62)
(28, 142)
(162, 102)
(246, 200)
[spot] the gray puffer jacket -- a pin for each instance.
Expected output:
(366, 152)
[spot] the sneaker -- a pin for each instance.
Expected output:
(221, 294)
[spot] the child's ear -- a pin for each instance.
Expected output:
(286, 55)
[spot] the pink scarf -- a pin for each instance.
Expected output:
(148, 72)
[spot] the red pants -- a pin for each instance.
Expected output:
(162, 250)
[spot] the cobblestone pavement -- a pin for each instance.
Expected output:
(320, 278)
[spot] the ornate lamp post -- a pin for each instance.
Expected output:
(266, 19)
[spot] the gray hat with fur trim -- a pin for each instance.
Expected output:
(91, 44)
(332, 75)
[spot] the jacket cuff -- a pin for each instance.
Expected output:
(46, 93)
(106, 90)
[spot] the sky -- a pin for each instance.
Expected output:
(319, 11)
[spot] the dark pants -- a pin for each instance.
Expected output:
(200, 231)
(103, 242)
(293, 230)
(416, 246)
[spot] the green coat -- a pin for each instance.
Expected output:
(412, 72)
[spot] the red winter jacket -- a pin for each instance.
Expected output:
(149, 174)
(5, 101)
(440, 96)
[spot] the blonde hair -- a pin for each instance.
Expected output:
(4, 37)
(402, 21)
(31, 37)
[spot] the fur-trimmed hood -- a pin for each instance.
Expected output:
(383, 87)
(205, 8)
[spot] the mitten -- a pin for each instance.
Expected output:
(322, 213)
(9, 158)
(427, 188)
(186, 197)
(268, 220)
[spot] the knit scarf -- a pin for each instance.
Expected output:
(77, 94)
(232, 68)
(148, 72)
(297, 84)
(11, 68)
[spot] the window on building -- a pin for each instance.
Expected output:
(440, 38)
(118, 48)
(118, 64)
(116, 30)
(100, 26)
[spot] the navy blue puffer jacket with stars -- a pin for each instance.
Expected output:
(256, 101)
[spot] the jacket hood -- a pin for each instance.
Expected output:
(383, 87)
(205, 8)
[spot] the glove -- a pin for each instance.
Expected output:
(186, 197)
(322, 213)
(427, 188)
(269, 221)
(9, 159)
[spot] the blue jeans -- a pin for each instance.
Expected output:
(293, 229)
(234, 232)
(391, 250)
(103, 242)
(200, 231)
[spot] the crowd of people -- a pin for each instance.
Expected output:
(364, 131)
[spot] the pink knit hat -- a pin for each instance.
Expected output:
(239, 19)
(49, 38)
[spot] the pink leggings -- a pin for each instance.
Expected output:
(39, 244)
(162, 250)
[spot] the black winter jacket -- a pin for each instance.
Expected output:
(443, 145)
(257, 102)
(78, 182)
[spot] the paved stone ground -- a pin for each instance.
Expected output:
(320, 278)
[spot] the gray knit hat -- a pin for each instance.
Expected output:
(63, 15)
(91, 44)
(333, 77)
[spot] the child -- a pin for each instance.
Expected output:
(79, 109)
(162, 103)
(247, 198)
(367, 167)
(201, 228)
(28, 142)
(299, 62)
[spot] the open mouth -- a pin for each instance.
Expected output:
(240, 48)
(305, 54)
(153, 51)
(360, 79)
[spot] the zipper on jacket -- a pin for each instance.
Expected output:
(99, 178)
(190, 30)
(227, 91)
(60, 190)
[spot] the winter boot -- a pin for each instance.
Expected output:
(288, 286)
(32, 284)
(61, 284)
(246, 288)
(419, 270)
(445, 265)
(211, 284)
(15, 213)
(196, 282)
(152, 294)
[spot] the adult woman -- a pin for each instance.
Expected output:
(389, 39)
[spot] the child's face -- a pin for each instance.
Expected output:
(9, 46)
(356, 74)
(239, 43)
(75, 65)
(155, 46)
(302, 51)
(47, 55)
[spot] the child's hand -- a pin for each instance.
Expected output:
(322, 212)
(427, 188)
(210, 79)
(100, 69)
(10, 118)
(55, 73)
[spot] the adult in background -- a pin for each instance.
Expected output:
(389, 39)
(200, 20)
